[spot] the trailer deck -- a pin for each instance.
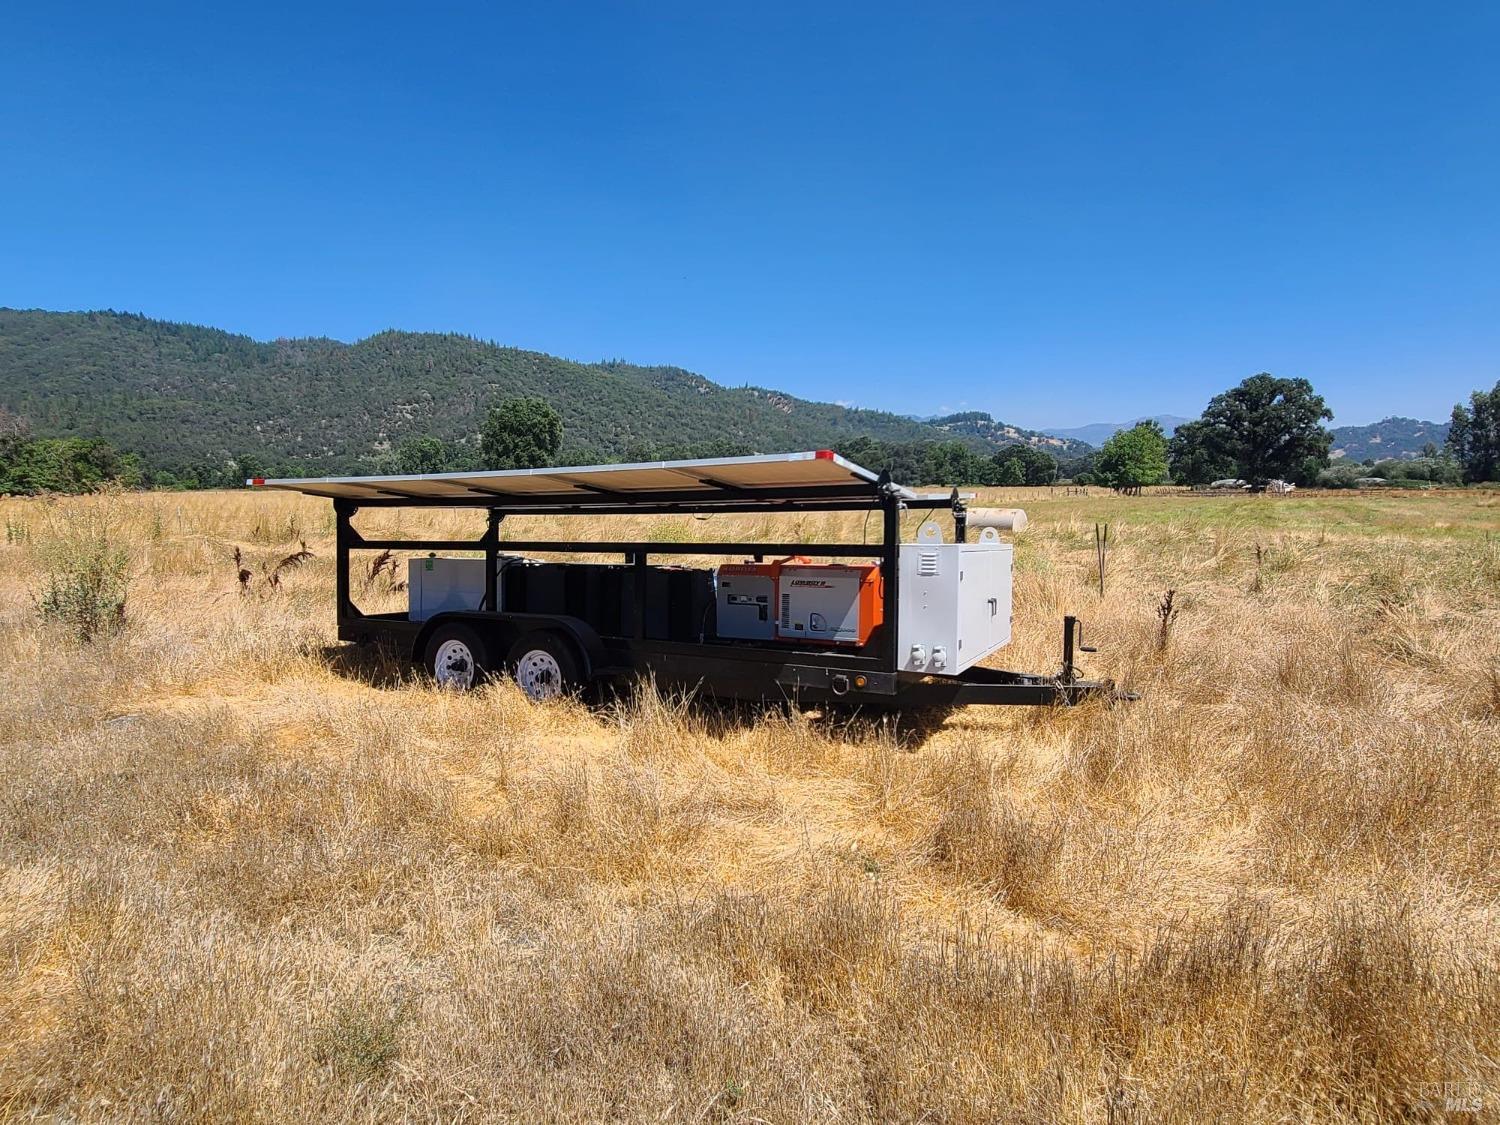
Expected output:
(552, 651)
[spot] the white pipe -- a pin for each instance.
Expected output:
(1001, 519)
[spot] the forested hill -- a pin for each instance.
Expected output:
(1390, 437)
(976, 425)
(183, 396)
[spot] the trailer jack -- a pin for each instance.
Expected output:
(1072, 639)
(1069, 678)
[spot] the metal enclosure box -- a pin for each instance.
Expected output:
(828, 603)
(955, 604)
(747, 601)
(437, 585)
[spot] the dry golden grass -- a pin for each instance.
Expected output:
(246, 876)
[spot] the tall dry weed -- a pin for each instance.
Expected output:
(85, 569)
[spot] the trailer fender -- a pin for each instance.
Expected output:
(505, 628)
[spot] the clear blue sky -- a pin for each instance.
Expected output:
(1061, 213)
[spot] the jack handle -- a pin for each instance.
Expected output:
(1072, 640)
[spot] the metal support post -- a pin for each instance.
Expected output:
(641, 572)
(890, 576)
(344, 536)
(492, 559)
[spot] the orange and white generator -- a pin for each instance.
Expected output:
(794, 600)
(828, 603)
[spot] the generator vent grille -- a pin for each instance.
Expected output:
(786, 611)
(927, 564)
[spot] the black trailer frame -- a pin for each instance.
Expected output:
(730, 669)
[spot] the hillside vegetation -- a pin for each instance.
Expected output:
(977, 424)
(1390, 437)
(184, 397)
(247, 874)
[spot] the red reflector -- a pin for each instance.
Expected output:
(257, 480)
(824, 455)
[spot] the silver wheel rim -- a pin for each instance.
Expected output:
(453, 667)
(539, 675)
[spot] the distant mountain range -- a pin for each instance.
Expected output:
(1390, 437)
(183, 396)
(1097, 433)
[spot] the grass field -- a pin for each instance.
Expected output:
(244, 876)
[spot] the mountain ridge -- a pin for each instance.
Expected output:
(981, 425)
(181, 395)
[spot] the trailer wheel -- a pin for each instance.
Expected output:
(544, 666)
(456, 656)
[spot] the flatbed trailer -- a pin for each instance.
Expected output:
(553, 652)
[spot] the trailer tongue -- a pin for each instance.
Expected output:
(886, 624)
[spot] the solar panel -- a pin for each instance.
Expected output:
(810, 474)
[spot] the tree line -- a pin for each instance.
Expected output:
(1270, 428)
(953, 462)
(527, 432)
(30, 464)
(1264, 429)
(1474, 435)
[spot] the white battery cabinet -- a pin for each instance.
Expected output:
(954, 604)
(437, 585)
(440, 585)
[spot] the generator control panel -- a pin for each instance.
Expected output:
(747, 601)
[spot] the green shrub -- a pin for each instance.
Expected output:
(1438, 470)
(86, 575)
(360, 1039)
(1341, 475)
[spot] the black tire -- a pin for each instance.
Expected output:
(544, 666)
(457, 657)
